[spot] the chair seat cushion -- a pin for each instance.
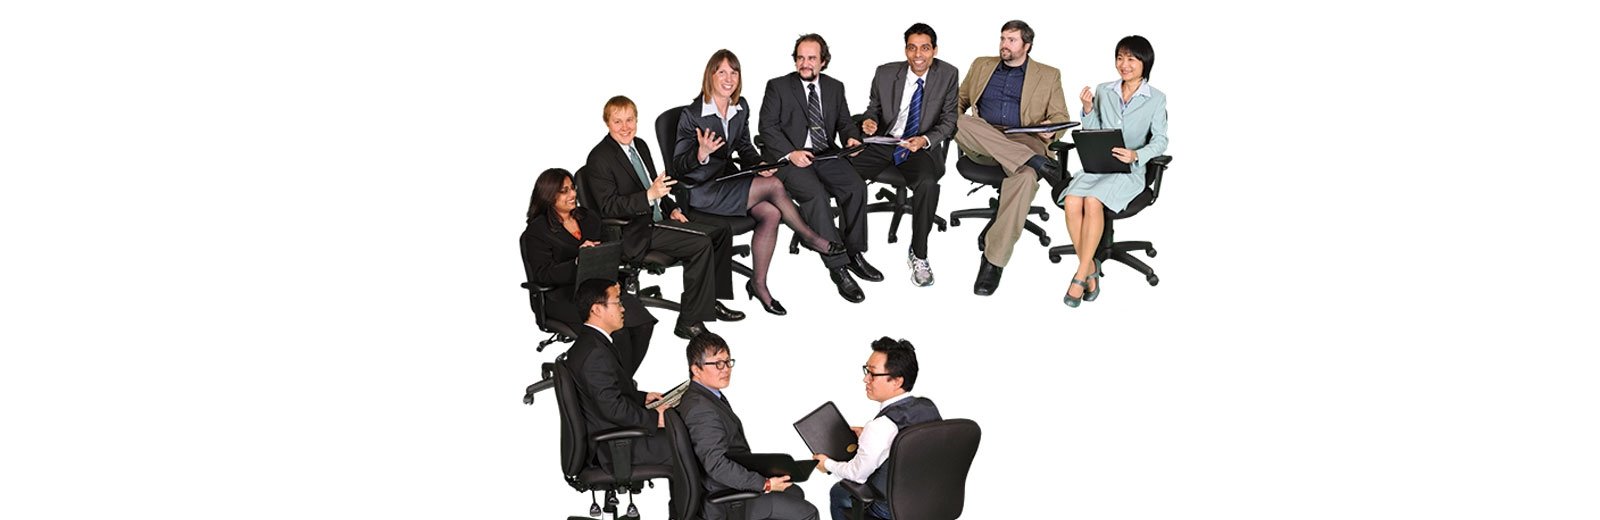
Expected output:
(891, 176)
(992, 175)
(1139, 202)
(596, 477)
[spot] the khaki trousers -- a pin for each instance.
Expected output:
(1012, 152)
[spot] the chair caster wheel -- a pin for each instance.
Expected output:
(893, 239)
(1152, 279)
(794, 250)
(1044, 217)
(953, 221)
(633, 512)
(1055, 259)
(1150, 252)
(941, 227)
(1044, 241)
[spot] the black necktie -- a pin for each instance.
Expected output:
(724, 398)
(819, 141)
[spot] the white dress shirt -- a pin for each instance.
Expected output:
(899, 129)
(602, 332)
(872, 449)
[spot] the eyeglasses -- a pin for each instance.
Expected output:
(867, 370)
(721, 365)
(612, 302)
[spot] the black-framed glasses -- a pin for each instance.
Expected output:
(721, 365)
(867, 370)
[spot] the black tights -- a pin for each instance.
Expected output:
(769, 203)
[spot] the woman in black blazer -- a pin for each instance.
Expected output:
(717, 117)
(557, 228)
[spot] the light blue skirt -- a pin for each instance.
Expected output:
(1115, 190)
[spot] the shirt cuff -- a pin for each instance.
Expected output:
(830, 465)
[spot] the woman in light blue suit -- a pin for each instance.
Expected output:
(1140, 110)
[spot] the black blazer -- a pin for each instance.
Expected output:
(617, 193)
(783, 115)
(610, 399)
(550, 257)
(686, 149)
(939, 100)
(716, 432)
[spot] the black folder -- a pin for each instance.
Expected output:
(599, 261)
(825, 432)
(692, 227)
(1094, 149)
(776, 465)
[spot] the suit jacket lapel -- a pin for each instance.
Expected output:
(1030, 86)
(985, 72)
(892, 111)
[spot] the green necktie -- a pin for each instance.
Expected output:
(638, 168)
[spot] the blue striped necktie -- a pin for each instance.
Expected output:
(913, 124)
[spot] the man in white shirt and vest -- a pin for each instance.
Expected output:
(889, 375)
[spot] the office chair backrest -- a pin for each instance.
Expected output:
(928, 466)
(574, 433)
(667, 136)
(585, 199)
(688, 488)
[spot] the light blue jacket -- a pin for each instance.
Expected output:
(1143, 124)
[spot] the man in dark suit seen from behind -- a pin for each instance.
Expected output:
(803, 115)
(609, 398)
(621, 178)
(913, 101)
(716, 432)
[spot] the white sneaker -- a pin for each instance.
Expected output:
(921, 274)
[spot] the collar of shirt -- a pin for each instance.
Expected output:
(714, 391)
(893, 400)
(805, 86)
(625, 148)
(1144, 89)
(1023, 67)
(602, 332)
(709, 108)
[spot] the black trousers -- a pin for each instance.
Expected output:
(707, 267)
(922, 170)
(812, 186)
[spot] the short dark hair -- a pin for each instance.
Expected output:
(1139, 48)
(704, 345)
(922, 28)
(1019, 25)
(827, 57)
(900, 361)
(592, 292)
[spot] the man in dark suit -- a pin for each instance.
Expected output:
(621, 178)
(802, 115)
(610, 399)
(913, 101)
(716, 432)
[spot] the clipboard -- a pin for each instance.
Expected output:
(1094, 149)
(775, 465)
(599, 261)
(825, 432)
(1040, 129)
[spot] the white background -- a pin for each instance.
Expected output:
(260, 261)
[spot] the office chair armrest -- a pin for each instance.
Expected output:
(731, 495)
(1156, 169)
(862, 492)
(535, 287)
(619, 433)
(1062, 146)
(615, 221)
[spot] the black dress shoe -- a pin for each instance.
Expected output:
(834, 248)
(689, 330)
(847, 285)
(988, 277)
(858, 265)
(1049, 171)
(726, 314)
(771, 308)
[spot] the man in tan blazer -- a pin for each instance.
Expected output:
(1006, 91)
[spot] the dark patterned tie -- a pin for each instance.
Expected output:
(913, 124)
(819, 141)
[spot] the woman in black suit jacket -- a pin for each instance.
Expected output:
(557, 228)
(717, 117)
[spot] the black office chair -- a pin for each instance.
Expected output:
(1123, 251)
(688, 479)
(559, 331)
(578, 445)
(667, 139)
(991, 176)
(653, 262)
(928, 466)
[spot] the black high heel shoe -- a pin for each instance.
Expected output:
(834, 248)
(774, 307)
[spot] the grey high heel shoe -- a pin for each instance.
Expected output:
(1073, 302)
(1089, 295)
